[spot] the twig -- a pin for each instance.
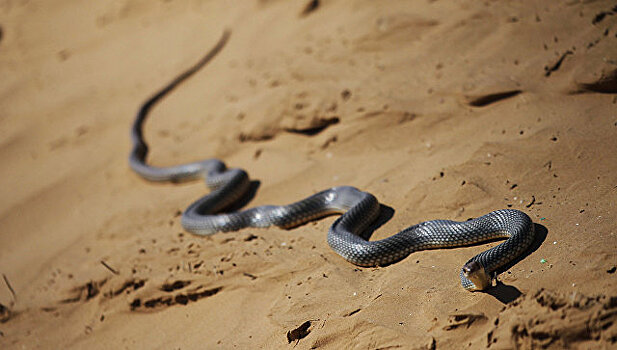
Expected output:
(556, 65)
(110, 268)
(6, 280)
(533, 200)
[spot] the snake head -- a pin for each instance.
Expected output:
(476, 273)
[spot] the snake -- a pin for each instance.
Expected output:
(359, 210)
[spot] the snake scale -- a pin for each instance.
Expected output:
(359, 210)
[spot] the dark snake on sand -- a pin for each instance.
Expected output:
(359, 210)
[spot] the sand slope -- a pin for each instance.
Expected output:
(441, 109)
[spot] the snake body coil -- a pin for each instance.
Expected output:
(359, 210)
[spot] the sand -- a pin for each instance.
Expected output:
(442, 110)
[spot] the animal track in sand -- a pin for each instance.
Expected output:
(606, 84)
(152, 297)
(91, 289)
(558, 321)
(317, 125)
(128, 286)
(487, 99)
(310, 7)
(5, 314)
(175, 293)
(176, 285)
(296, 124)
(84, 292)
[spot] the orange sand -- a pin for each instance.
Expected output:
(446, 110)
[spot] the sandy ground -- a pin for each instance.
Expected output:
(445, 110)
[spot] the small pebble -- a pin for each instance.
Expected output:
(543, 261)
(554, 242)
